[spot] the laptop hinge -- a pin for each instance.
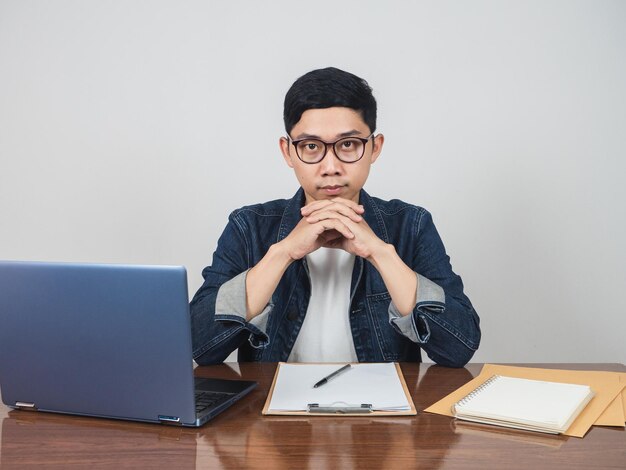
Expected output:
(22, 405)
(164, 419)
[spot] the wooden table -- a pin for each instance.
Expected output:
(242, 438)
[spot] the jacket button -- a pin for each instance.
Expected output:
(292, 315)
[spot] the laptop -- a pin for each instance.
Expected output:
(104, 340)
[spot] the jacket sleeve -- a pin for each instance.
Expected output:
(443, 322)
(218, 310)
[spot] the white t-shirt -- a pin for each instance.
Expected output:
(325, 335)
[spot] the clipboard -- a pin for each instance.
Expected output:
(340, 408)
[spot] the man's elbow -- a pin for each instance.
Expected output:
(208, 358)
(460, 355)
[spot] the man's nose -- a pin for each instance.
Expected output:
(331, 165)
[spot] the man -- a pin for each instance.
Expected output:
(332, 274)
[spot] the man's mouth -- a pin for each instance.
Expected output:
(332, 189)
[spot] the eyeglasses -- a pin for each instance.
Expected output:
(347, 149)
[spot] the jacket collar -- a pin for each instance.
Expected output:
(291, 215)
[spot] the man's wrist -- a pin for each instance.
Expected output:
(384, 251)
(279, 253)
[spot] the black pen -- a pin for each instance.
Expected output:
(332, 376)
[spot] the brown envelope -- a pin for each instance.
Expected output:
(623, 381)
(610, 416)
(613, 415)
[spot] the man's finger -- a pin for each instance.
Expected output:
(333, 224)
(326, 203)
(332, 213)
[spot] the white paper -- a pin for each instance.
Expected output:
(375, 384)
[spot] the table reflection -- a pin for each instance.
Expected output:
(33, 439)
(241, 437)
(333, 442)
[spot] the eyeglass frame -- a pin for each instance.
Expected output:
(326, 144)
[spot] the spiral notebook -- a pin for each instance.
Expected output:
(533, 405)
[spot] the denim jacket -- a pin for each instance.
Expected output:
(443, 322)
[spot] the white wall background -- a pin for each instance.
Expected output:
(130, 129)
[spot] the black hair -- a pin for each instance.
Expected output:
(326, 88)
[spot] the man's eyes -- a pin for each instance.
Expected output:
(309, 146)
(313, 146)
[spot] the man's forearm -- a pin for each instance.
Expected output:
(400, 280)
(262, 280)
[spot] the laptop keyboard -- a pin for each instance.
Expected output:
(206, 399)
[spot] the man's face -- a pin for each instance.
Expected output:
(331, 177)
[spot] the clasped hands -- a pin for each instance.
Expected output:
(333, 223)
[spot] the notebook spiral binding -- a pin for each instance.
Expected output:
(476, 391)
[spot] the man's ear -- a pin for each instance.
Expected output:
(379, 140)
(284, 149)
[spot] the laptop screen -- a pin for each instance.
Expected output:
(95, 339)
